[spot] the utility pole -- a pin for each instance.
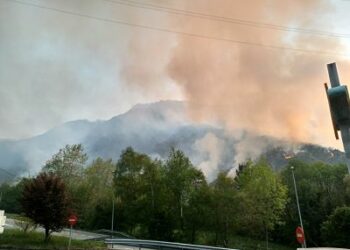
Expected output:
(112, 223)
(297, 199)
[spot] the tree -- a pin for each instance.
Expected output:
(263, 197)
(129, 187)
(141, 195)
(198, 208)
(225, 207)
(10, 195)
(153, 199)
(44, 200)
(68, 163)
(346, 181)
(336, 229)
(321, 189)
(96, 194)
(181, 178)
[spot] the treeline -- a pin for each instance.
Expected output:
(171, 200)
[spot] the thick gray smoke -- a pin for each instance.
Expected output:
(266, 91)
(56, 67)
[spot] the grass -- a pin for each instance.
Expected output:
(13, 238)
(243, 243)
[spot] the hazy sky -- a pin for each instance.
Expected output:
(56, 67)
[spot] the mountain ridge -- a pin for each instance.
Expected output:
(155, 128)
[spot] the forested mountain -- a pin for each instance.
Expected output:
(154, 129)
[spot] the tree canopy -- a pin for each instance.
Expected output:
(170, 199)
(44, 200)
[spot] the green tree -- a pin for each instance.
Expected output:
(262, 197)
(153, 199)
(44, 200)
(10, 196)
(346, 182)
(142, 196)
(321, 189)
(133, 188)
(336, 229)
(198, 208)
(68, 163)
(96, 194)
(181, 178)
(224, 204)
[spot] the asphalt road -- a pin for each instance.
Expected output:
(76, 234)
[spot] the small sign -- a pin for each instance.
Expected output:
(299, 233)
(2, 221)
(72, 220)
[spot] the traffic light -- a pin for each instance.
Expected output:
(338, 98)
(339, 104)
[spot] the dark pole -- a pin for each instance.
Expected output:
(112, 224)
(297, 198)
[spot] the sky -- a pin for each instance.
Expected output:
(63, 60)
(56, 68)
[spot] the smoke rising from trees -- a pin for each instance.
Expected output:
(267, 91)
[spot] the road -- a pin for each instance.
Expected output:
(76, 234)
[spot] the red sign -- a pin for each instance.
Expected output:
(72, 220)
(299, 232)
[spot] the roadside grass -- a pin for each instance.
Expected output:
(242, 243)
(245, 243)
(17, 239)
(13, 238)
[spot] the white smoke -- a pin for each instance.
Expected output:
(212, 147)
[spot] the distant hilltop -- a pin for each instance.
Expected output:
(153, 129)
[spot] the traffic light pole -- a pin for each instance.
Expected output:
(339, 104)
(345, 136)
(299, 212)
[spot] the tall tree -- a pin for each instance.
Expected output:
(225, 208)
(69, 165)
(181, 177)
(10, 195)
(128, 182)
(321, 189)
(44, 200)
(198, 208)
(263, 197)
(96, 193)
(155, 215)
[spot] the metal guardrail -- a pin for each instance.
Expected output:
(159, 245)
(116, 234)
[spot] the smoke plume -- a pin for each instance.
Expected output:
(268, 91)
(213, 147)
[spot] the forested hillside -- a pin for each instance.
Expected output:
(172, 200)
(154, 129)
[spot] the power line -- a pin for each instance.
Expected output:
(318, 52)
(237, 21)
